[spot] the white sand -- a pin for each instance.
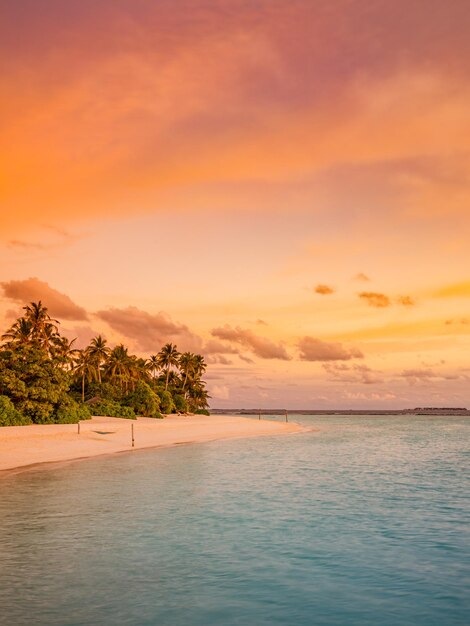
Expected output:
(23, 446)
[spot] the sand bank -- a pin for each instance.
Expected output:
(23, 446)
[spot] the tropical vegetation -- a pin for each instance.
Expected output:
(45, 379)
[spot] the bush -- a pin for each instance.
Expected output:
(109, 408)
(166, 402)
(9, 416)
(181, 404)
(202, 412)
(157, 416)
(71, 412)
(33, 381)
(143, 400)
(104, 390)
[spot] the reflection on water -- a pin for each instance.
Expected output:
(364, 522)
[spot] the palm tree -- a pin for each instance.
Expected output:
(168, 357)
(117, 365)
(198, 395)
(43, 327)
(153, 365)
(63, 351)
(99, 351)
(85, 368)
(19, 332)
(200, 365)
(187, 363)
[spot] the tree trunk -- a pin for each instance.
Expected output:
(167, 375)
(83, 387)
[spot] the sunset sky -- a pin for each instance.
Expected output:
(282, 185)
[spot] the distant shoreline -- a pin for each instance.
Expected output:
(445, 412)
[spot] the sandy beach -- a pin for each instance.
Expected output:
(22, 447)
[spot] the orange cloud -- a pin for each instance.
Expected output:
(405, 301)
(260, 346)
(149, 331)
(312, 349)
(324, 290)
(378, 300)
(141, 109)
(33, 289)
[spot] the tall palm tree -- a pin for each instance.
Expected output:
(117, 365)
(199, 365)
(168, 357)
(187, 363)
(43, 326)
(85, 369)
(99, 351)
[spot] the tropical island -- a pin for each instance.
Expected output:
(60, 403)
(45, 379)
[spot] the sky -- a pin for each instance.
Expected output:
(283, 186)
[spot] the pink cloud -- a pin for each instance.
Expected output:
(260, 346)
(150, 331)
(324, 290)
(33, 290)
(378, 300)
(312, 349)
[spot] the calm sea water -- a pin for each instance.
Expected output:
(364, 522)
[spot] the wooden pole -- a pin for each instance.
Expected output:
(132, 430)
(78, 427)
(259, 414)
(286, 415)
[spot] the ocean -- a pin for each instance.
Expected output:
(364, 521)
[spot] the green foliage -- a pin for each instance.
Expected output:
(166, 402)
(33, 382)
(9, 416)
(202, 412)
(104, 391)
(71, 412)
(181, 404)
(110, 408)
(143, 400)
(45, 380)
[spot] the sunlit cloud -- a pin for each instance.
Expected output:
(149, 331)
(312, 349)
(32, 289)
(361, 277)
(260, 346)
(324, 290)
(378, 300)
(405, 301)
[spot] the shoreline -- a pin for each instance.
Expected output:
(26, 448)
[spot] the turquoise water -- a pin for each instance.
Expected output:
(365, 522)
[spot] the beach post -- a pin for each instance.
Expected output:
(286, 415)
(259, 414)
(78, 425)
(132, 431)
